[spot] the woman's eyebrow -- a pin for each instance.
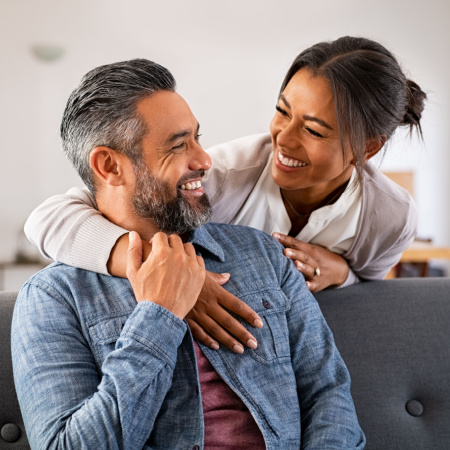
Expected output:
(283, 99)
(319, 121)
(306, 117)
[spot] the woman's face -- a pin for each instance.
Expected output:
(306, 143)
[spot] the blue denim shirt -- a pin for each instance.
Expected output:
(95, 370)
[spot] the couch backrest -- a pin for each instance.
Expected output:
(12, 430)
(394, 336)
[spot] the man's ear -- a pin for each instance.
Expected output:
(108, 165)
(373, 146)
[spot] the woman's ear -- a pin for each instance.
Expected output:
(108, 165)
(373, 146)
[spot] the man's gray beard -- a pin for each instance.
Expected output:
(154, 200)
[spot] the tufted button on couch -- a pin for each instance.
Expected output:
(394, 336)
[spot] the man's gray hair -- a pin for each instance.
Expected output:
(102, 111)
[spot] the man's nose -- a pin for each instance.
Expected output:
(200, 160)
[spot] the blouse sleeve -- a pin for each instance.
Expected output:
(69, 229)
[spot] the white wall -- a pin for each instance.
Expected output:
(229, 59)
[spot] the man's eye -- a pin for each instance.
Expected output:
(178, 147)
(314, 133)
(197, 137)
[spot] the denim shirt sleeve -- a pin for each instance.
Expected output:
(65, 401)
(328, 415)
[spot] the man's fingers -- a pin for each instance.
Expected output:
(174, 241)
(159, 240)
(219, 278)
(134, 253)
(200, 261)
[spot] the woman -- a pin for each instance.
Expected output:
(309, 182)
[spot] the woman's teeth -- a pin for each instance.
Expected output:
(290, 162)
(191, 186)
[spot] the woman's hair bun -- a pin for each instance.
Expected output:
(415, 105)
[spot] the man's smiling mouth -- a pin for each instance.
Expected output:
(191, 185)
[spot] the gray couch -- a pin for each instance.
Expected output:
(394, 336)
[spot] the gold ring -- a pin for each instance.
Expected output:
(317, 272)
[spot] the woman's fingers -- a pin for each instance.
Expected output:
(213, 288)
(215, 323)
(291, 242)
(200, 334)
(306, 269)
(212, 328)
(321, 268)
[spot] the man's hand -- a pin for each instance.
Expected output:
(172, 276)
(209, 319)
(320, 267)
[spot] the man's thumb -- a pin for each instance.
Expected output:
(219, 278)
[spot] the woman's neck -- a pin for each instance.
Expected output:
(300, 204)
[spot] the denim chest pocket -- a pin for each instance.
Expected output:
(104, 334)
(273, 337)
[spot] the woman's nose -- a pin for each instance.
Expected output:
(288, 136)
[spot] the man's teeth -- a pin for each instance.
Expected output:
(191, 186)
(290, 162)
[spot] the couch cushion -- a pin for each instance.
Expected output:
(394, 336)
(12, 431)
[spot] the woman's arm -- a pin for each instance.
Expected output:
(68, 228)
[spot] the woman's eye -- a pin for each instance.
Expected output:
(281, 111)
(197, 137)
(314, 133)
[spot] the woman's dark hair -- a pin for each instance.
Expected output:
(372, 95)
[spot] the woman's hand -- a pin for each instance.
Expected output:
(208, 319)
(320, 267)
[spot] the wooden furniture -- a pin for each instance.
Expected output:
(421, 251)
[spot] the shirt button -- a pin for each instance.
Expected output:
(195, 447)
(266, 304)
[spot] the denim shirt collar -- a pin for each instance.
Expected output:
(201, 237)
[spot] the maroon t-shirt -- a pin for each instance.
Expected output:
(228, 422)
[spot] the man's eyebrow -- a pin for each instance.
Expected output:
(180, 134)
(306, 117)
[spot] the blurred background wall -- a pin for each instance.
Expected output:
(229, 58)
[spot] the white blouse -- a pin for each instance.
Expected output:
(332, 226)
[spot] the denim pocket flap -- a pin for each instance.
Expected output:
(273, 337)
(107, 331)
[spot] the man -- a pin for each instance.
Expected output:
(103, 362)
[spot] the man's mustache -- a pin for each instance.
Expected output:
(190, 176)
